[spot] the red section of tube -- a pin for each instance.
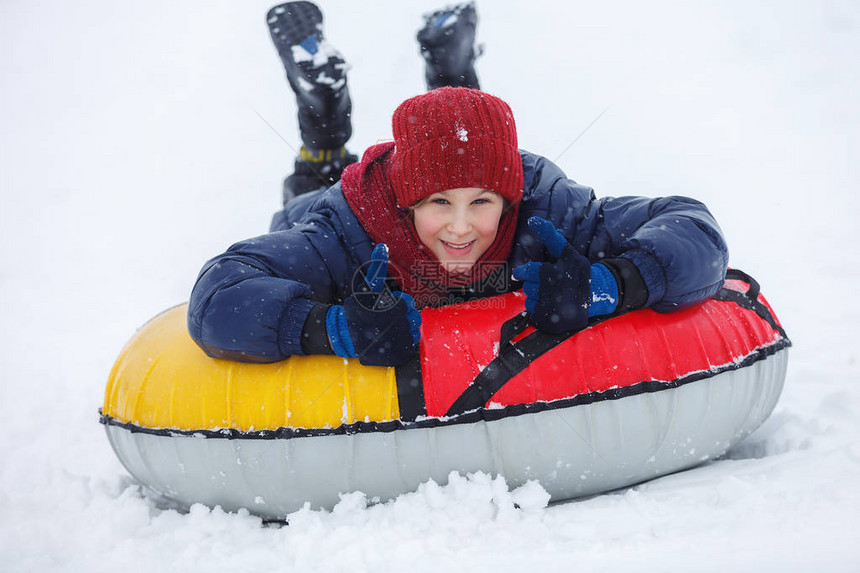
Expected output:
(459, 341)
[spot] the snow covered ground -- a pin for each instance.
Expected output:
(132, 149)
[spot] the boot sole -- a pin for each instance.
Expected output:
(294, 22)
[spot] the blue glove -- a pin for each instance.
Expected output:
(379, 327)
(561, 296)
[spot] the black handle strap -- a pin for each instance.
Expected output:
(737, 274)
(749, 299)
(513, 327)
(512, 359)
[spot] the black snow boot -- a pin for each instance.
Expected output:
(316, 72)
(447, 43)
(316, 170)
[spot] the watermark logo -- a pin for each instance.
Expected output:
(443, 288)
(385, 279)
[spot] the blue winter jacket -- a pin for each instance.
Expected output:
(251, 302)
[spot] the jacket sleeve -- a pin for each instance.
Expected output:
(251, 302)
(674, 242)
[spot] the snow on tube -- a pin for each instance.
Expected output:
(625, 400)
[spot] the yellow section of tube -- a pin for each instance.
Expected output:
(162, 379)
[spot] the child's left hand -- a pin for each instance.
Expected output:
(558, 294)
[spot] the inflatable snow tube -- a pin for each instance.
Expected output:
(625, 400)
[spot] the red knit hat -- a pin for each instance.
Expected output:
(454, 137)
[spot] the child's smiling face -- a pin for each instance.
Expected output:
(458, 225)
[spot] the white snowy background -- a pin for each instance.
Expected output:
(131, 150)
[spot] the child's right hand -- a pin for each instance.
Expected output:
(379, 327)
